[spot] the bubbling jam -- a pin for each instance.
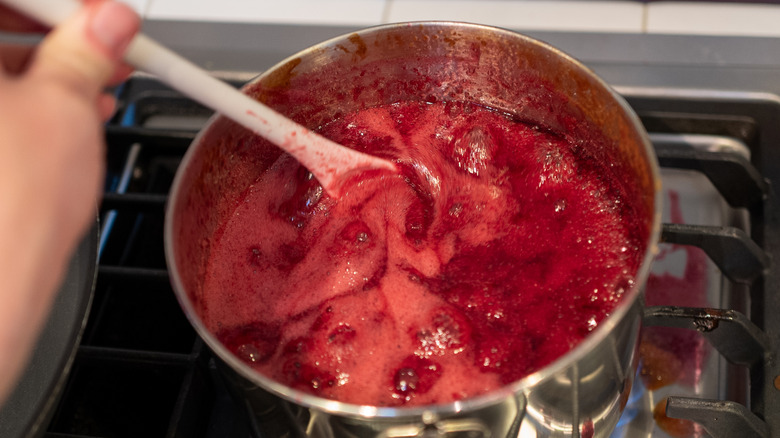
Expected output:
(496, 249)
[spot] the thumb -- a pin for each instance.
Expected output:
(83, 52)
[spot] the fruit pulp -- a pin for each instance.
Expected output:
(497, 248)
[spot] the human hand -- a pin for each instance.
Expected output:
(52, 106)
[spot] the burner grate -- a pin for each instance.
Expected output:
(142, 371)
(752, 342)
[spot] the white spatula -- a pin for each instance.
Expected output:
(328, 161)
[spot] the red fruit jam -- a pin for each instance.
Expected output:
(497, 248)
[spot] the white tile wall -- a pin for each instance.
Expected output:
(713, 18)
(326, 12)
(624, 16)
(595, 16)
(139, 5)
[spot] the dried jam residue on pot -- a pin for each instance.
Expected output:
(495, 250)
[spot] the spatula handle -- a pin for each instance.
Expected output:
(48, 12)
(151, 57)
(327, 160)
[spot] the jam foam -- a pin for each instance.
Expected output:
(497, 248)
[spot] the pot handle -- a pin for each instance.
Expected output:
(503, 419)
(443, 428)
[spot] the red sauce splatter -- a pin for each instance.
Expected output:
(497, 248)
(674, 355)
(587, 430)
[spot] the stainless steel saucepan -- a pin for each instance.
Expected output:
(580, 394)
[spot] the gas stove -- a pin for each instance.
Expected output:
(709, 351)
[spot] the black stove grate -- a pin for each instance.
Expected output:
(752, 342)
(142, 371)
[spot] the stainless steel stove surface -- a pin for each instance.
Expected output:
(141, 371)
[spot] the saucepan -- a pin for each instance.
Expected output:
(580, 394)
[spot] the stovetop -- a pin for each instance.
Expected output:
(140, 369)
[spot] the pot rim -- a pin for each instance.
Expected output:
(474, 403)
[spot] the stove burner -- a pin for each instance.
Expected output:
(142, 371)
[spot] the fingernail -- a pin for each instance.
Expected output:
(113, 25)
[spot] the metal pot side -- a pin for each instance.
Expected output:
(584, 390)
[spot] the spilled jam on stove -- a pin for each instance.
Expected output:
(496, 249)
